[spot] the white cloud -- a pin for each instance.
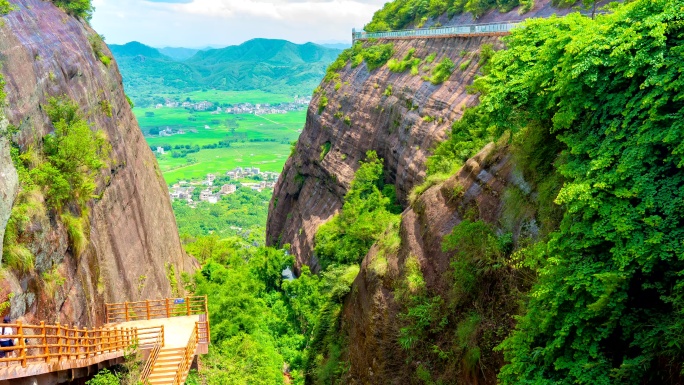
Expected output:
(224, 22)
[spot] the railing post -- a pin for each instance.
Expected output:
(147, 303)
(162, 336)
(126, 310)
(84, 342)
(22, 344)
(58, 334)
(168, 309)
(187, 303)
(46, 349)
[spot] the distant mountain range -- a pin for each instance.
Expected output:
(264, 64)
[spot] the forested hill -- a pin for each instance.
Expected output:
(262, 64)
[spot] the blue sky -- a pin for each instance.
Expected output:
(200, 23)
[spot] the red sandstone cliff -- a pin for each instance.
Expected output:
(133, 236)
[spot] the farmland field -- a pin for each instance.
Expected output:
(255, 140)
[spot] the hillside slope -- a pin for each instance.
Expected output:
(128, 246)
(263, 64)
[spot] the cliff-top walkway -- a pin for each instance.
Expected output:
(168, 334)
(470, 30)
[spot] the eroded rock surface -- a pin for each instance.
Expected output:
(133, 237)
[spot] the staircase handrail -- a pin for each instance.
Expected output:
(154, 355)
(188, 357)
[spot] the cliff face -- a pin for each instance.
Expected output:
(311, 190)
(133, 237)
(403, 128)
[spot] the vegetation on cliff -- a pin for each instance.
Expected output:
(57, 176)
(369, 208)
(596, 122)
(78, 8)
(608, 303)
(399, 14)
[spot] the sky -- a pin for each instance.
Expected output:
(202, 23)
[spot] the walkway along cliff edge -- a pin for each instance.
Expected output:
(169, 333)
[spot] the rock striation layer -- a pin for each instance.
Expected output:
(134, 250)
(399, 115)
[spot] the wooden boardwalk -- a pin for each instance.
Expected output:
(169, 333)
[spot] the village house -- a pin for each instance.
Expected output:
(211, 178)
(228, 189)
(160, 150)
(205, 194)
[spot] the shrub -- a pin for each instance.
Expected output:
(78, 8)
(97, 44)
(364, 217)
(104, 377)
(76, 229)
(442, 71)
(322, 103)
(407, 62)
(377, 55)
(53, 279)
(388, 90)
(325, 149)
(5, 7)
(106, 107)
(486, 54)
(464, 65)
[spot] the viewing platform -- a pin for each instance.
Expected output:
(470, 30)
(169, 334)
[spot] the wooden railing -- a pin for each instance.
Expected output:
(154, 309)
(49, 343)
(189, 356)
(152, 358)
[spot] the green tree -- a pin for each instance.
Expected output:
(365, 215)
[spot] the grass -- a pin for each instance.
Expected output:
(235, 97)
(262, 141)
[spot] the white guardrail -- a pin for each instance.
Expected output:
(472, 29)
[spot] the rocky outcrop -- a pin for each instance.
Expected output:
(134, 245)
(8, 179)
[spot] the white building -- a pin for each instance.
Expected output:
(160, 150)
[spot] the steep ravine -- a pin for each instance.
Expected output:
(133, 238)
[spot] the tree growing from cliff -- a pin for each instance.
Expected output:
(366, 213)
